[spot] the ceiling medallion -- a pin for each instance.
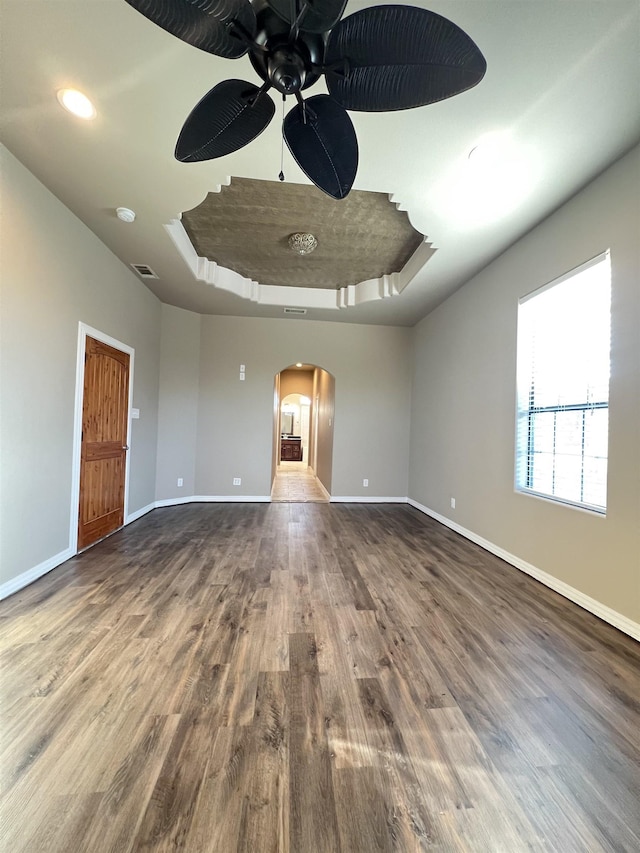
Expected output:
(302, 243)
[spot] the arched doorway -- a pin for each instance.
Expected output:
(303, 418)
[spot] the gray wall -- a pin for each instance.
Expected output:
(55, 273)
(324, 393)
(296, 382)
(371, 366)
(178, 406)
(463, 423)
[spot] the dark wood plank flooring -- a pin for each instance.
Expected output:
(308, 678)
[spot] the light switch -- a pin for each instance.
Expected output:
(135, 413)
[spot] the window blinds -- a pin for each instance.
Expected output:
(563, 386)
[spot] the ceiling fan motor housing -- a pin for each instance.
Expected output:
(287, 70)
(289, 66)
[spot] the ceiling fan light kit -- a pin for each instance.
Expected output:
(379, 59)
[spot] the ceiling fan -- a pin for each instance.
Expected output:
(378, 59)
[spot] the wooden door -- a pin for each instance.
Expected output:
(104, 441)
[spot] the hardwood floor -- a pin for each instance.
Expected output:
(311, 678)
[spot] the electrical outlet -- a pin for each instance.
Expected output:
(242, 377)
(180, 481)
(365, 483)
(453, 503)
(237, 481)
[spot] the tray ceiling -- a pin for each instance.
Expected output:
(246, 226)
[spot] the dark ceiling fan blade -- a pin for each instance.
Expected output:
(325, 146)
(397, 57)
(227, 118)
(203, 23)
(320, 16)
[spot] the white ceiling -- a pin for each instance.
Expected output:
(562, 86)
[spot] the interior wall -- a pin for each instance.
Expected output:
(235, 418)
(313, 427)
(464, 399)
(305, 430)
(325, 392)
(178, 404)
(55, 273)
(296, 381)
(275, 449)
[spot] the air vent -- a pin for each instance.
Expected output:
(295, 310)
(144, 271)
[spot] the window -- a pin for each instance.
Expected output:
(563, 387)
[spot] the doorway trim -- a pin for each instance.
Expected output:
(85, 331)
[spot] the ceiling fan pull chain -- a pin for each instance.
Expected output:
(281, 175)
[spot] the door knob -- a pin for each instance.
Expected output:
(125, 446)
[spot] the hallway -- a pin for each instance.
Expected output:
(295, 483)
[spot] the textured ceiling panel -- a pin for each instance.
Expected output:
(246, 226)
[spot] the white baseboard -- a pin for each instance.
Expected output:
(223, 499)
(232, 499)
(322, 488)
(173, 502)
(607, 614)
(31, 575)
(134, 516)
(360, 499)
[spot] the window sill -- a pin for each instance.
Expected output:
(599, 512)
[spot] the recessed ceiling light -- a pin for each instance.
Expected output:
(500, 171)
(77, 103)
(125, 214)
(298, 364)
(490, 149)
